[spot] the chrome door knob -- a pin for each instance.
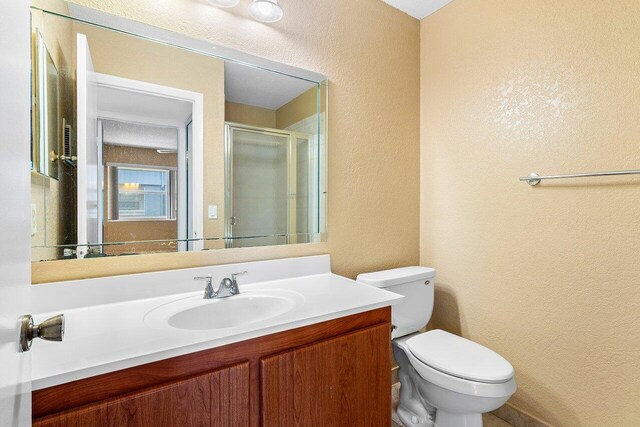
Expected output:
(51, 330)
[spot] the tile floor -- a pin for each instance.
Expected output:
(489, 420)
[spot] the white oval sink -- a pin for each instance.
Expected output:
(196, 313)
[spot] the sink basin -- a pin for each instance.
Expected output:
(196, 313)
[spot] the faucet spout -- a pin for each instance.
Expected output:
(228, 287)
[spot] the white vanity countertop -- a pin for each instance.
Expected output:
(101, 338)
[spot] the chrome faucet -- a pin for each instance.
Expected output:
(228, 286)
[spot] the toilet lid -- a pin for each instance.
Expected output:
(460, 357)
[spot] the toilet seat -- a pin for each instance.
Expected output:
(453, 383)
(460, 357)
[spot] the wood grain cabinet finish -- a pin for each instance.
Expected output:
(217, 399)
(336, 382)
(333, 373)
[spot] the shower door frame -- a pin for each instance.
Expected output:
(291, 212)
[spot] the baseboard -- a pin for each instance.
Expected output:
(517, 417)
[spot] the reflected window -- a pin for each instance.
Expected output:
(142, 193)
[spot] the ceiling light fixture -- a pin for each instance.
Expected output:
(266, 10)
(224, 3)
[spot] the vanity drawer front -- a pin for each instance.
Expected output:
(342, 381)
(219, 399)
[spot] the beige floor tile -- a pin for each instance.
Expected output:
(489, 420)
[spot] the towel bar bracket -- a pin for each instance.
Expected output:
(533, 179)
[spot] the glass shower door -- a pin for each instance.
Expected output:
(258, 182)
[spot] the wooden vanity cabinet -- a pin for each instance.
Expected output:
(336, 382)
(334, 373)
(220, 398)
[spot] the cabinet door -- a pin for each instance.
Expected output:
(230, 403)
(344, 381)
(217, 399)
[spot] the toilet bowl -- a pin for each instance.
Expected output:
(449, 400)
(445, 380)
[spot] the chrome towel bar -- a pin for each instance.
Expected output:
(534, 179)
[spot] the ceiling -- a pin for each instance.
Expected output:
(139, 119)
(141, 107)
(260, 88)
(418, 8)
(138, 135)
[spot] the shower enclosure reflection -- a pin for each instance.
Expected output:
(270, 187)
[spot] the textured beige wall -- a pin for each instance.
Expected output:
(370, 52)
(299, 108)
(249, 115)
(548, 276)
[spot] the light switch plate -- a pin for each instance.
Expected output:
(213, 212)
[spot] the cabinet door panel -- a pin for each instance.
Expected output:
(211, 399)
(337, 382)
(231, 396)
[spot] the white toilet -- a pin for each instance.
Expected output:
(445, 380)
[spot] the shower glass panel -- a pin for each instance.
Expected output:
(303, 189)
(259, 187)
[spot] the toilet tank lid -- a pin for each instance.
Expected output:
(396, 276)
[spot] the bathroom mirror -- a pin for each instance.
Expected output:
(146, 141)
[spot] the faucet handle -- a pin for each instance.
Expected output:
(208, 278)
(234, 284)
(209, 292)
(234, 275)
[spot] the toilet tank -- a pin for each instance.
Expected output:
(416, 285)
